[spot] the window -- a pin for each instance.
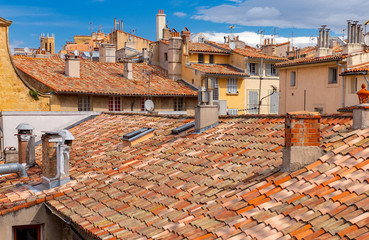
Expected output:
(353, 85)
(274, 103)
(270, 70)
(211, 58)
(179, 104)
(114, 104)
(200, 58)
(232, 85)
(252, 69)
(253, 101)
(232, 111)
(28, 232)
(320, 110)
(84, 103)
(166, 56)
(293, 79)
(143, 99)
(332, 75)
(215, 88)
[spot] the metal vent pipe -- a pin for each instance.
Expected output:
(13, 168)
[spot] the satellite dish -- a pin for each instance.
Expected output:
(26, 50)
(366, 39)
(149, 105)
(232, 45)
(62, 56)
(76, 52)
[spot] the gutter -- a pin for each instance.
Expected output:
(343, 85)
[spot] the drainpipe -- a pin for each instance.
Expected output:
(343, 87)
(13, 168)
(261, 78)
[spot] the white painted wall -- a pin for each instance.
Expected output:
(41, 121)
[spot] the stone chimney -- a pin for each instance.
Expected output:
(55, 158)
(323, 43)
(160, 24)
(186, 35)
(127, 70)
(354, 38)
(269, 47)
(175, 56)
(302, 140)
(166, 33)
(206, 112)
(72, 66)
(107, 53)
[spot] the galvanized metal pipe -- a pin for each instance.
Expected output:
(13, 168)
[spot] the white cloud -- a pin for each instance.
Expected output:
(180, 14)
(16, 44)
(253, 39)
(287, 13)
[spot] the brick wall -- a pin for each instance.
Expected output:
(302, 129)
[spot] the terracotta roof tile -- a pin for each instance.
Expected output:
(201, 186)
(204, 47)
(101, 78)
(246, 52)
(217, 69)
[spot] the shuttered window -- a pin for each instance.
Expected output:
(232, 85)
(253, 101)
(215, 89)
(274, 103)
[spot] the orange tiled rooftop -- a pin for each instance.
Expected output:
(223, 183)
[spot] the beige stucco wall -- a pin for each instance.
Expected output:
(52, 227)
(319, 93)
(14, 93)
(219, 59)
(120, 38)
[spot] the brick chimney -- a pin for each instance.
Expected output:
(72, 66)
(107, 53)
(127, 70)
(175, 56)
(302, 140)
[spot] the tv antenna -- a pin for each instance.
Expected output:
(231, 28)
(90, 27)
(100, 28)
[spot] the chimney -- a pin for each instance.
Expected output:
(166, 33)
(175, 56)
(107, 53)
(323, 43)
(26, 144)
(361, 111)
(145, 53)
(72, 66)
(354, 38)
(206, 113)
(302, 136)
(186, 35)
(55, 158)
(127, 70)
(160, 24)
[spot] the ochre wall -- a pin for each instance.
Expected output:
(319, 93)
(14, 93)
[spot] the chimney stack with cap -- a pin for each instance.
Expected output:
(323, 43)
(127, 70)
(302, 140)
(160, 24)
(354, 38)
(107, 53)
(72, 66)
(175, 56)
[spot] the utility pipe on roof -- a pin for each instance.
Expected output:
(343, 83)
(13, 168)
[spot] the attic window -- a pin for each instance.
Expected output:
(137, 134)
(183, 128)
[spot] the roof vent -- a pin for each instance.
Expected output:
(137, 136)
(183, 128)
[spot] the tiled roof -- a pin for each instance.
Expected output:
(226, 46)
(281, 44)
(311, 60)
(363, 67)
(203, 47)
(223, 183)
(102, 78)
(217, 69)
(253, 54)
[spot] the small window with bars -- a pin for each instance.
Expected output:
(232, 85)
(84, 103)
(115, 104)
(179, 104)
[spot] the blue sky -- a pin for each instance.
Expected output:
(68, 18)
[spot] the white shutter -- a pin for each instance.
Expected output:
(274, 102)
(253, 101)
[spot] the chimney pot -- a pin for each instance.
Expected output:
(302, 140)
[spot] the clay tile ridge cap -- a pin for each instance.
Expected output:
(303, 114)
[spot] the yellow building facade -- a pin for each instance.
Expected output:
(15, 93)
